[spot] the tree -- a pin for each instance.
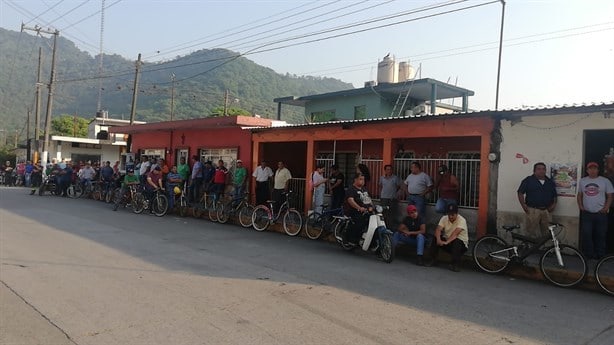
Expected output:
(70, 126)
(219, 111)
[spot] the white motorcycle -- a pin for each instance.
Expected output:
(377, 239)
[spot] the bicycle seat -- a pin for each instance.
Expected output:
(510, 227)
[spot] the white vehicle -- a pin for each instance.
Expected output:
(376, 238)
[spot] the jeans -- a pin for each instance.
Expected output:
(28, 179)
(262, 192)
(442, 205)
(237, 194)
(195, 188)
(419, 202)
(417, 241)
(170, 190)
(593, 232)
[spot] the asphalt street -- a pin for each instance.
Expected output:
(75, 272)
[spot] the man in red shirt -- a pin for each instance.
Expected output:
(219, 179)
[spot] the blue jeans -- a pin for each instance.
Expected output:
(237, 194)
(593, 232)
(442, 205)
(417, 241)
(419, 202)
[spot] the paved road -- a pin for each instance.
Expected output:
(75, 272)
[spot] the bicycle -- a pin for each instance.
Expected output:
(604, 274)
(236, 206)
(264, 216)
(158, 203)
(316, 223)
(561, 264)
(181, 201)
(205, 203)
(125, 198)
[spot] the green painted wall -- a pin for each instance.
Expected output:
(344, 106)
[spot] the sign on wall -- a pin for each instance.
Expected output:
(565, 177)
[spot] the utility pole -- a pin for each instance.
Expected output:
(135, 90)
(37, 111)
(226, 95)
(500, 52)
(28, 145)
(51, 85)
(172, 96)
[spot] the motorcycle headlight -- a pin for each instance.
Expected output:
(379, 209)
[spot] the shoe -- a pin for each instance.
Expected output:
(420, 261)
(454, 268)
(431, 263)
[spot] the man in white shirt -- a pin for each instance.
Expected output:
(145, 167)
(282, 176)
(263, 175)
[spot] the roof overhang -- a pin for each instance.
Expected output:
(202, 123)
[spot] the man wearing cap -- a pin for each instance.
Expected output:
(537, 197)
(447, 186)
(452, 236)
(263, 175)
(411, 231)
(238, 181)
(129, 179)
(595, 195)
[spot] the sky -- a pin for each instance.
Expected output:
(555, 52)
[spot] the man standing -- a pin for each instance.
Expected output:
(447, 186)
(238, 181)
(537, 197)
(336, 183)
(318, 183)
(28, 176)
(183, 169)
(219, 180)
(609, 174)
(262, 174)
(197, 178)
(418, 185)
(390, 184)
(452, 236)
(594, 199)
(65, 179)
(282, 176)
(106, 174)
(411, 231)
(144, 169)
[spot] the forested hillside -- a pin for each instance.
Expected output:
(201, 80)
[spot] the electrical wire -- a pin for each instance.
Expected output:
(45, 12)
(90, 16)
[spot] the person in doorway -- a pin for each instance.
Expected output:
(609, 174)
(280, 185)
(595, 195)
(219, 180)
(336, 182)
(412, 230)
(452, 236)
(418, 185)
(263, 175)
(238, 181)
(537, 197)
(447, 185)
(183, 169)
(389, 185)
(318, 183)
(208, 175)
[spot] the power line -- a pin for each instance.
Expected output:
(44, 12)
(90, 16)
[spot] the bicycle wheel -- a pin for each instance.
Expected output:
(604, 274)
(138, 203)
(212, 211)
(97, 194)
(261, 218)
(197, 210)
(245, 215)
(340, 229)
(221, 212)
(313, 226)
(491, 254)
(570, 273)
(73, 191)
(117, 199)
(160, 205)
(183, 206)
(293, 222)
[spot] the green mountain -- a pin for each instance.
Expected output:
(201, 80)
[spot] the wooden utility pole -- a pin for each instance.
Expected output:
(51, 85)
(226, 95)
(28, 145)
(37, 110)
(135, 90)
(172, 96)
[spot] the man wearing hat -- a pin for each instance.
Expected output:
(452, 236)
(411, 231)
(594, 199)
(129, 179)
(537, 197)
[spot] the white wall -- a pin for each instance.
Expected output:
(107, 152)
(548, 139)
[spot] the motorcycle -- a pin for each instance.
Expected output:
(48, 185)
(376, 239)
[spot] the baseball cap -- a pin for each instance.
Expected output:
(592, 165)
(239, 161)
(411, 208)
(452, 208)
(130, 170)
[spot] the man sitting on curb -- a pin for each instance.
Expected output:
(411, 231)
(452, 236)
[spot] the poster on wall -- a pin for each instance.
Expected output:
(130, 161)
(565, 177)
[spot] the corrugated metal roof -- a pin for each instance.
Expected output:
(536, 110)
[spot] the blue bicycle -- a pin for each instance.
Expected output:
(317, 222)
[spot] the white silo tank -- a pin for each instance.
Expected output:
(387, 70)
(406, 71)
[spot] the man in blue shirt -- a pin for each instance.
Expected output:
(537, 197)
(65, 179)
(106, 175)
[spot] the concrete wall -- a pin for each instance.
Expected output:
(344, 107)
(549, 139)
(109, 153)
